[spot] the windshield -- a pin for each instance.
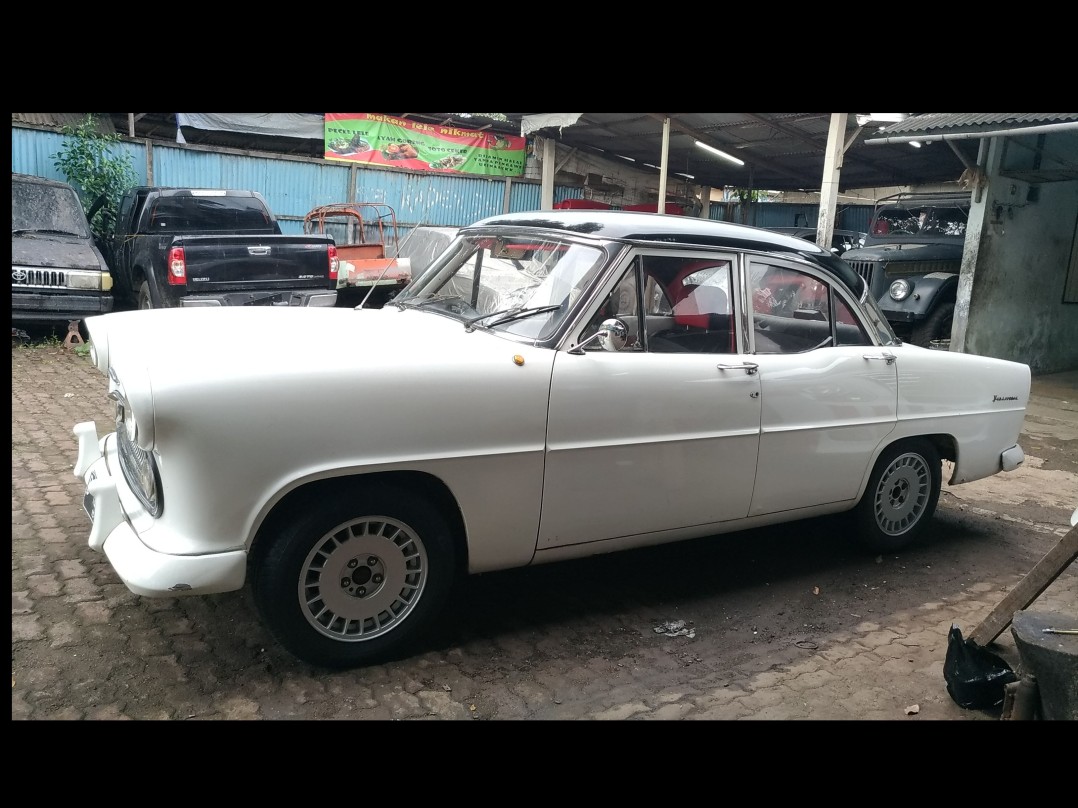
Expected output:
(924, 220)
(523, 285)
(46, 208)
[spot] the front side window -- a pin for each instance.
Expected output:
(673, 304)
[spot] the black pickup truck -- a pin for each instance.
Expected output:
(214, 247)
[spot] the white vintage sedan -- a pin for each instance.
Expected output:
(556, 384)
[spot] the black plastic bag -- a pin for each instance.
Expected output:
(976, 678)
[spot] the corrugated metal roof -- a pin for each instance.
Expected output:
(781, 151)
(59, 120)
(974, 121)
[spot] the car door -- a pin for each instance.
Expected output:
(829, 395)
(640, 441)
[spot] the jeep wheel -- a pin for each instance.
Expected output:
(355, 582)
(936, 326)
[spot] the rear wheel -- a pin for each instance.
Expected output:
(145, 301)
(901, 496)
(358, 581)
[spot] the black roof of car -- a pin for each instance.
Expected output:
(685, 230)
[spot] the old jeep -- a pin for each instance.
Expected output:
(910, 260)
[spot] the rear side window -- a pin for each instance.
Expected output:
(795, 312)
(208, 214)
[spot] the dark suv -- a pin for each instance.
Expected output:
(57, 272)
(910, 260)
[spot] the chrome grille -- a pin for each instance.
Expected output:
(46, 278)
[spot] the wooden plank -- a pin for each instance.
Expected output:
(1028, 589)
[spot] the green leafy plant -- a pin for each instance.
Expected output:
(95, 164)
(743, 197)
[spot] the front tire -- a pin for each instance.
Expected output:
(901, 496)
(357, 582)
(936, 326)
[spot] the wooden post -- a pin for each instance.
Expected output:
(1028, 589)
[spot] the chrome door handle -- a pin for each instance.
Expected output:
(889, 358)
(748, 367)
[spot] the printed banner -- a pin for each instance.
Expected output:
(367, 137)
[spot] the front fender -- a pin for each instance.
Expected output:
(927, 292)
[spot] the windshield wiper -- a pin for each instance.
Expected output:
(430, 301)
(507, 316)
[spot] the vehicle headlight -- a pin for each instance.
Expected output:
(136, 462)
(125, 418)
(134, 413)
(900, 290)
(92, 281)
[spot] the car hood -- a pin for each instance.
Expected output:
(53, 251)
(904, 252)
(203, 345)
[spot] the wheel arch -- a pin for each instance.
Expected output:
(310, 494)
(935, 290)
(944, 444)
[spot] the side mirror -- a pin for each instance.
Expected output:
(611, 336)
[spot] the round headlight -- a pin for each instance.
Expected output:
(900, 290)
(130, 424)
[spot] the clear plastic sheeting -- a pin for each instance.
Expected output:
(544, 120)
(304, 125)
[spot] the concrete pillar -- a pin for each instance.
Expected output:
(832, 168)
(547, 199)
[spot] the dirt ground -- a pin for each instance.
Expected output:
(793, 622)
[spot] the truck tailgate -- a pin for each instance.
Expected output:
(223, 263)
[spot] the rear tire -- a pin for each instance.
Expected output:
(901, 495)
(145, 300)
(355, 581)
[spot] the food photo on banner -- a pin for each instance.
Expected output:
(367, 137)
